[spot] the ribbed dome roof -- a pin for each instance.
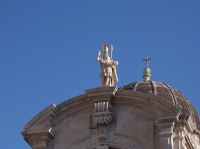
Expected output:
(166, 92)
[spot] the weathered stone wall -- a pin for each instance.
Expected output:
(72, 131)
(133, 126)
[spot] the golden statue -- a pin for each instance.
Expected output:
(108, 67)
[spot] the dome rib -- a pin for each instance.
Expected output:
(153, 88)
(172, 93)
(135, 86)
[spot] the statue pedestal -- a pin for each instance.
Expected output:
(101, 93)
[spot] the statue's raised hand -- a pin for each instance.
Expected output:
(99, 53)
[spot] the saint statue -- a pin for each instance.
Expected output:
(108, 67)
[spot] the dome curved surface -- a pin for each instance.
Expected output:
(166, 92)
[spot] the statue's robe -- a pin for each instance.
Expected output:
(108, 69)
(114, 76)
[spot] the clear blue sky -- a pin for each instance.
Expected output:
(44, 42)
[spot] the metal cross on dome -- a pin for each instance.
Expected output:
(147, 59)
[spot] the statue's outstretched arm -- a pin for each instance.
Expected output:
(98, 58)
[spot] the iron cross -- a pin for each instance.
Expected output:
(147, 59)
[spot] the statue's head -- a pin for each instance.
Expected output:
(105, 51)
(105, 48)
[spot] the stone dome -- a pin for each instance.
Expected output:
(166, 92)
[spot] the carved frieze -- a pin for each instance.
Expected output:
(102, 118)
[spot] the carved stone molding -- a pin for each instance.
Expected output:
(102, 118)
(102, 106)
(102, 96)
(102, 115)
(191, 140)
(166, 126)
(38, 139)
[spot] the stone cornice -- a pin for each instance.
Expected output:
(186, 120)
(38, 138)
(70, 110)
(167, 119)
(70, 102)
(38, 117)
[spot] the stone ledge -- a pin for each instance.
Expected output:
(38, 138)
(39, 116)
(101, 93)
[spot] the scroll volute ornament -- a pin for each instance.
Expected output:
(103, 114)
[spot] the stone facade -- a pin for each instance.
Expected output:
(110, 118)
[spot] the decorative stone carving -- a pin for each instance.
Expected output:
(178, 136)
(102, 106)
(192, 139)
(166, 125)
(108, 67)
(102, 117)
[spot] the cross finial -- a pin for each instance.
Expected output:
(147, 60)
